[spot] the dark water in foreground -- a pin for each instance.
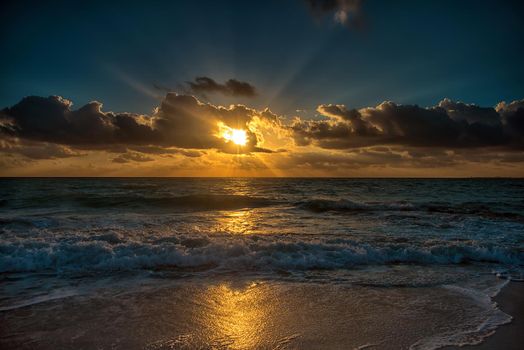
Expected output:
(178, 257)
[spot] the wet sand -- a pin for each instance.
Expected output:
(510, 336)
(249, 315)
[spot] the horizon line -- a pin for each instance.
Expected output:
(271, 177)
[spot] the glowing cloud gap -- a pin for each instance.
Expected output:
(237, 136)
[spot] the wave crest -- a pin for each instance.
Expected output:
(108, 253)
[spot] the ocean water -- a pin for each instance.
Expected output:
(256, 263)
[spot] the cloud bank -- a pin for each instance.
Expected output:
(180, 121)
(450, 125)
(339, 141)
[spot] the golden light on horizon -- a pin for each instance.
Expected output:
(237, 136)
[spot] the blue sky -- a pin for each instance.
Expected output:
(415, 52)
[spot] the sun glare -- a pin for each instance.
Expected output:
(237, 136)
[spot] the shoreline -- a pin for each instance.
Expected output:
(235, 313)
(508, 336)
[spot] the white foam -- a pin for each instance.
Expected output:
(257, 252)
(478, 328)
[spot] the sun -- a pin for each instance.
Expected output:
(237, 136)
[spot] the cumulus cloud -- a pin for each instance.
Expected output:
(232, 87)
(181, 121)
(448, 125)
(52, 120)
(512, 115)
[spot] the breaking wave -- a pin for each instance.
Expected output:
(110, 252)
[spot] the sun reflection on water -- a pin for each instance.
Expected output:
(239, 222)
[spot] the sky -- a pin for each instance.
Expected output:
(316, 88)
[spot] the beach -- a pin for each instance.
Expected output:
(260, 263)
(245, 315)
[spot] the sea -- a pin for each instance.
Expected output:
(256, 263)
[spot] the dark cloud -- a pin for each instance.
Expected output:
(448, 125)
(470, 113)
(52, 120)
(232, 87)
(181, 121)
(513, 117)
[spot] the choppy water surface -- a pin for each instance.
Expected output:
(75, 240)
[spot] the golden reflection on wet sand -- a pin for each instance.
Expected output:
(243, 315)
(238, 317)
